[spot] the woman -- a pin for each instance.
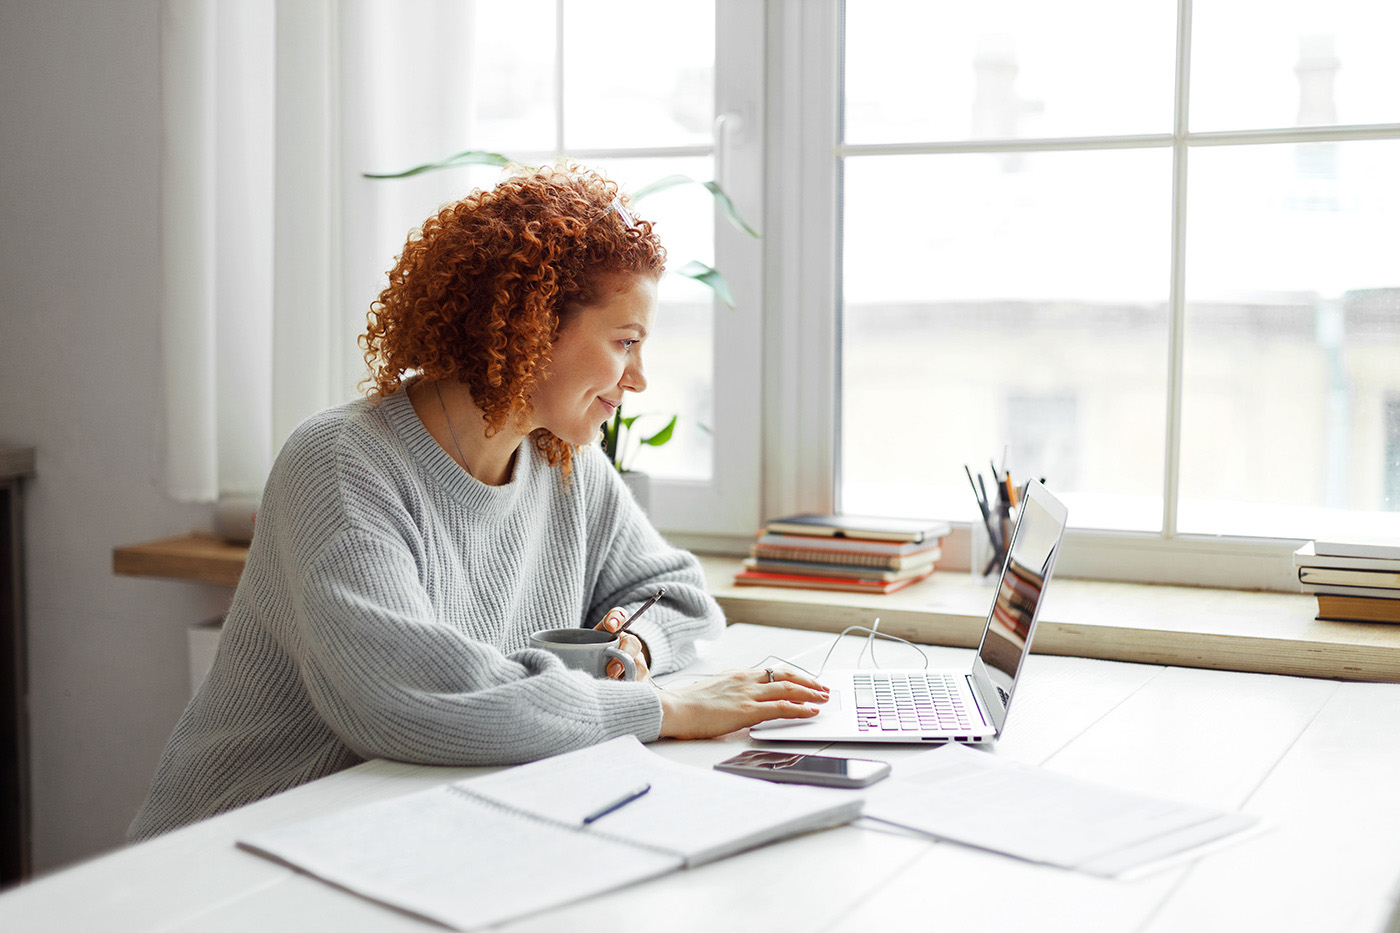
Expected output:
(408, 544)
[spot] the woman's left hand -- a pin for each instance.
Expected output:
(630, 644)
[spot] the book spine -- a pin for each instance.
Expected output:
(840, 545)
(850, 558)
(1362, 551)
(1312, 562)
(801, 568)
(854, 534)
(1357, 609)
(761, 552)
(1335, 590)
(1371, 578)
(754, 578)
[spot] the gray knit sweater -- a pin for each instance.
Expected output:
(386, 609)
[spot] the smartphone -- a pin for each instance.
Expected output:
(805, 769)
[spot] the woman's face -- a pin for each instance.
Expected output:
(597, 357)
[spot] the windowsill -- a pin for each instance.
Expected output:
(1274, 633)
(1186, 626)
(197, 558)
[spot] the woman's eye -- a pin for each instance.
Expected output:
(628, 344)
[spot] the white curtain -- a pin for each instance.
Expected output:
(275, 243)
(250, 238)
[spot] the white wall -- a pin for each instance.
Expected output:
(80, 281)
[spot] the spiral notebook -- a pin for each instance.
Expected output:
(489, 849)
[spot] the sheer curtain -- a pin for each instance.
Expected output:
(274, 241)
(250, 237)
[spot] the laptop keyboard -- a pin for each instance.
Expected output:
(917, 702)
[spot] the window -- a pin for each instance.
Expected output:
(1390, 466)
(641, 91)
(1145, 250)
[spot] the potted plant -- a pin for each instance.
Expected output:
(621, 442)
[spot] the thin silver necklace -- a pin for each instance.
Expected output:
(452, 430)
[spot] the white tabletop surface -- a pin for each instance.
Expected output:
(1317, 759)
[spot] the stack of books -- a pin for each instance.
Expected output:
(853, 553)
(1354, 581)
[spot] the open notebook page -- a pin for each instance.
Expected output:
(698, 814)
(456, 860)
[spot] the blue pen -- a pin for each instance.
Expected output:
(617, 804)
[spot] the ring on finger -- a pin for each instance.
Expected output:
(769, 672)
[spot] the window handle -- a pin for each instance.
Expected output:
(728, 132)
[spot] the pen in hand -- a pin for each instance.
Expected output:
(617, 804)
(641, 609)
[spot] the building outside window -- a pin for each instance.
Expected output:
(1182, 216)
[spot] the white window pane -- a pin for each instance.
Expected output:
(511, 59)
(638, 73)
(917, 70)
(1006, 302)
(679, 358)
(1278, 63)
(1292, 358)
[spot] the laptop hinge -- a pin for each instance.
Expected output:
(976, 692)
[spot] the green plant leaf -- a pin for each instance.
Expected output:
(661, 184)
(729, 208)
(710, 276)
(721, 197)
(612, 436)
(662, 436)
(469, 157)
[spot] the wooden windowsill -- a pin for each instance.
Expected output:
(1273, 633)
(201, 558)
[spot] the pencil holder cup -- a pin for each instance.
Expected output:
(981, 556)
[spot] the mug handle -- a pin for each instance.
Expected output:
(629, 667)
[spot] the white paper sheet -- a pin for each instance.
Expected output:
(972, 797)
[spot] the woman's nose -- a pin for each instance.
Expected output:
(633, 379)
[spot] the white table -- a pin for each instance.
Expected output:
(1319, 759)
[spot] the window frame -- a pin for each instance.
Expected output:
(710, 514)
(729, 503)
(803, 256)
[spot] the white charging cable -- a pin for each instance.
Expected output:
(870, 633)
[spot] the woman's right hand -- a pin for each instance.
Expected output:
(736, 700)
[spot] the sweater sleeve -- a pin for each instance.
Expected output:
(393, 682)
(632, 560)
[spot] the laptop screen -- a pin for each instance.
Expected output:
(1006, 640)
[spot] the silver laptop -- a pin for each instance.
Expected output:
(916, 705)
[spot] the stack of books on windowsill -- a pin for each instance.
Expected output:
(1354, 581)
(853, 553)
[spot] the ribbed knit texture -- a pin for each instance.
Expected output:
(386, 608)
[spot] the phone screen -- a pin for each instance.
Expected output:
(813, 769)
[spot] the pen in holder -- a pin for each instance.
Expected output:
(992, 534)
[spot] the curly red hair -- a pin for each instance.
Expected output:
(483, 288)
